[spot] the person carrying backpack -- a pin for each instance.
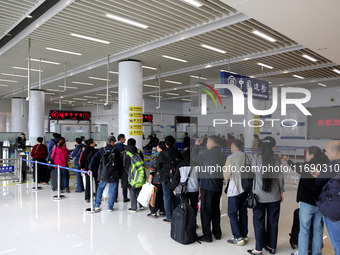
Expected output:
(167, 163)
(110, 167)
(133, 164)
(75, 155)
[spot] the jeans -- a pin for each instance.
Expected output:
(333, 228)
(133, 196)
(80, 184)
(238, 215)
(170, 201)
(307, 214)
(112, 194)
(64, 178)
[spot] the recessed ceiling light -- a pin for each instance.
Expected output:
(336, 70)
(198, 77)
(264, 36)
(151, 86)
(79, 99)
(285, 72)
(90, 38)
(309, 58)
(246, 59)
(174, 82)
(184, 99)
(190, 91)
(127, 21)
(172, 94)
(266, 66)
(323, 85)
(82, 83)
(8, 80)
(155, 96)
(298, 76)
(113, 72)
(194, 3)
(177, 59)
(16, 75)
(55, 90)
(68, 87)
(208, 66)
(45, 61)
(64, 51)
(149, 67)
(115, 92)
(100, 79)
(3, 85)
(25, 68)
(90, 97)
(213, 48)
(48, 93)
(29, 16)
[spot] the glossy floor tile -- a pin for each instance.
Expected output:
(33, 223)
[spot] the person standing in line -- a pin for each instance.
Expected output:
(268, 187)
(237, 196)
(110, 167)
(60, 155)
(39, 153)
(255, 143)
(186, 140)
(211, 187)
(124, 183)
(52, 142)
(242, 138)
(155, 179)
(130, 151)
(76, 154)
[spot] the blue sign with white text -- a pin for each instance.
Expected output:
(6, 169)
(260, 88)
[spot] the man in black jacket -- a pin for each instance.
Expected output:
(167, 160)
(111, 177)
(211, 182)
(121, 147)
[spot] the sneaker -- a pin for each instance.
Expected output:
(245, 239)
(126, 200)
(110, 209)
(239, 241)
(132, 210)
(166, 220)
(152, 215)
(162, 214)
(97, 209)
(141, 208)
(295, 253)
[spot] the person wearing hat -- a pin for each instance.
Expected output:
(111, 177)
(269, 188)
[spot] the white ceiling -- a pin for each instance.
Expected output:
(176, 28)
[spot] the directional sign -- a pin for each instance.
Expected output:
(135, 109)
(136, 132)
(6, 169)
(135, 120)
(136, 127)
(260, 88)
(135, 115)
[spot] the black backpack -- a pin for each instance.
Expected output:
(247, 177)
(169, 170)
(183, 224)
(108, 171)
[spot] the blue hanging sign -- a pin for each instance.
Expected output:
(6, 169)
(260, 88)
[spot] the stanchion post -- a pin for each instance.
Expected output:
(36, 188)
(91, 210)
(58, 197)
(20, 170)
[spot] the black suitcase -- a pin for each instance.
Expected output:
(54, 180)
(183, 224)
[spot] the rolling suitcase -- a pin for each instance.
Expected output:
(54, 180)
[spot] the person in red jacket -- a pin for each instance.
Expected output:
(39, 153)
(60, 156)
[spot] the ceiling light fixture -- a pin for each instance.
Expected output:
(113, 72)
(3, 85)
(184, 99)
(90, 97)
(177, 59)
(266, 66)
(198, 77)
(213, 48)
(309, 58)
(264, 36)
(298, 76)
(90, 38)
(100, 79)
(16, 75)
(151, 86)
(336, 70)
(64, 51)
(25, 68)
(127, 21)
(155, 96)
(8, 80)
(323, 85)
(54, 90)
(114, 92)
(174, 82)
(190, 91)
(149, 67)
(45, 61)
(83, 83)
(68, 87)
(172, 94)
(79, 99)
(194, 3)
(228, 71)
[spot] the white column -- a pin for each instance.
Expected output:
(36, 115)
(19, 110)
(131, 95)
(2, 122)
(8, 122)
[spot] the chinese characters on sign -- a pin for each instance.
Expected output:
(329, 122)
(6, 169)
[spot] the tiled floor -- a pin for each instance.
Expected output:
(33, 223)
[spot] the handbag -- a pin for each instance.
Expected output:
(182, 187)
(145, 194)
(251, 201)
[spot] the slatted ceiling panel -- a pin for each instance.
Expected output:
(12, 11)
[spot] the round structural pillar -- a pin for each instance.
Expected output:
(130, 115)
(2, 122)
(36, 121)
(19, 114)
